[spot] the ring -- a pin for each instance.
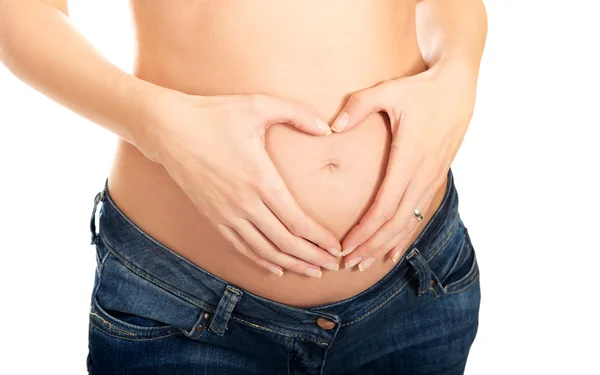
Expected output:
(418, 215)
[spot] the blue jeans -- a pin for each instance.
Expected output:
(155, 312)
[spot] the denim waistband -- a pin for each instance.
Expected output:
(156, 263)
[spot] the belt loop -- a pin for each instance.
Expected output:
(100, 197)
(422, 267)
(230, 298)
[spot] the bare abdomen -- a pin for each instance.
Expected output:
(314, 51)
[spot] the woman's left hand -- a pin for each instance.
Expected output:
(429, 115)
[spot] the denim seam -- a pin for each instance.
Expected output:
(280, 332)
(169, 289)
(469, 282)
(99, 269)
(105, 256)
(195, 267)
(194, 303)
(160, 284)
(134, 226)
(445, 200)
(122, 216)
(116, 326)
(444, 242)
(130, 339)
(101, 261)
(289, 371)
(381, 304)
(112, 326)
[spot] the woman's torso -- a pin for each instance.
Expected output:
(314, 51)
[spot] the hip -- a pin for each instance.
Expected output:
(421, 316)
(335, 191)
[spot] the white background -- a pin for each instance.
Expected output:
(527, 176)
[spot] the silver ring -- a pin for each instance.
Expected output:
(418, 215)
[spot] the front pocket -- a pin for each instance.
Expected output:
(144, 329)
(130, 306)
(464, 271)
(454, 265)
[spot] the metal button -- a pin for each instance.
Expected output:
(199, 328)
(325, 324)
(432, 283)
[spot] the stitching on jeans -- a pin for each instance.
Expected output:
(185, 298)
(166, 287)
(446, 239)
(103, 260)
(445, 201)
(233, 291)
(105, 257)
(128, 339)
(381, 304)
(465, 287)
(288, 355)
(101, 318)
(410, 255)
(112, 326)
(280, 332)
(132, 267)
(121, 215)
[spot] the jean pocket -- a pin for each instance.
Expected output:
(128, 306)
(128, 326)
(456, 266)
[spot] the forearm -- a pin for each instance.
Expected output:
(452, 32)
(39, 45)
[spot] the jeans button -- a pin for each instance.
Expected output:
(325, 324)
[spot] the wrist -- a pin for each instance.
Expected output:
(151, 105)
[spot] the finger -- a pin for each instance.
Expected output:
(399, 243)
(266, 250)
(402, 223)
(396, 252)
(360, 105)
(402, 226)
(242, 247)
(290, 244)
(279, 200)
(295, 113)
(402, 164)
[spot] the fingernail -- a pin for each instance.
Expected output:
(313, 272)
(366, 264)
(352, 262)
(324, 126)
(348, 250)
(276, 270)
(341, 122)
(332, 266)
(396, 257)
(335, 252)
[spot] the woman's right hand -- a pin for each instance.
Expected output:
(213, 147)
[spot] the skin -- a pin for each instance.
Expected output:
(237, 168)
(424, 142)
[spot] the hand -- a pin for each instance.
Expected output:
(213, 147)
(429, 116)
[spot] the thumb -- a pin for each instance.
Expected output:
(359, 106)
(294, 113)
